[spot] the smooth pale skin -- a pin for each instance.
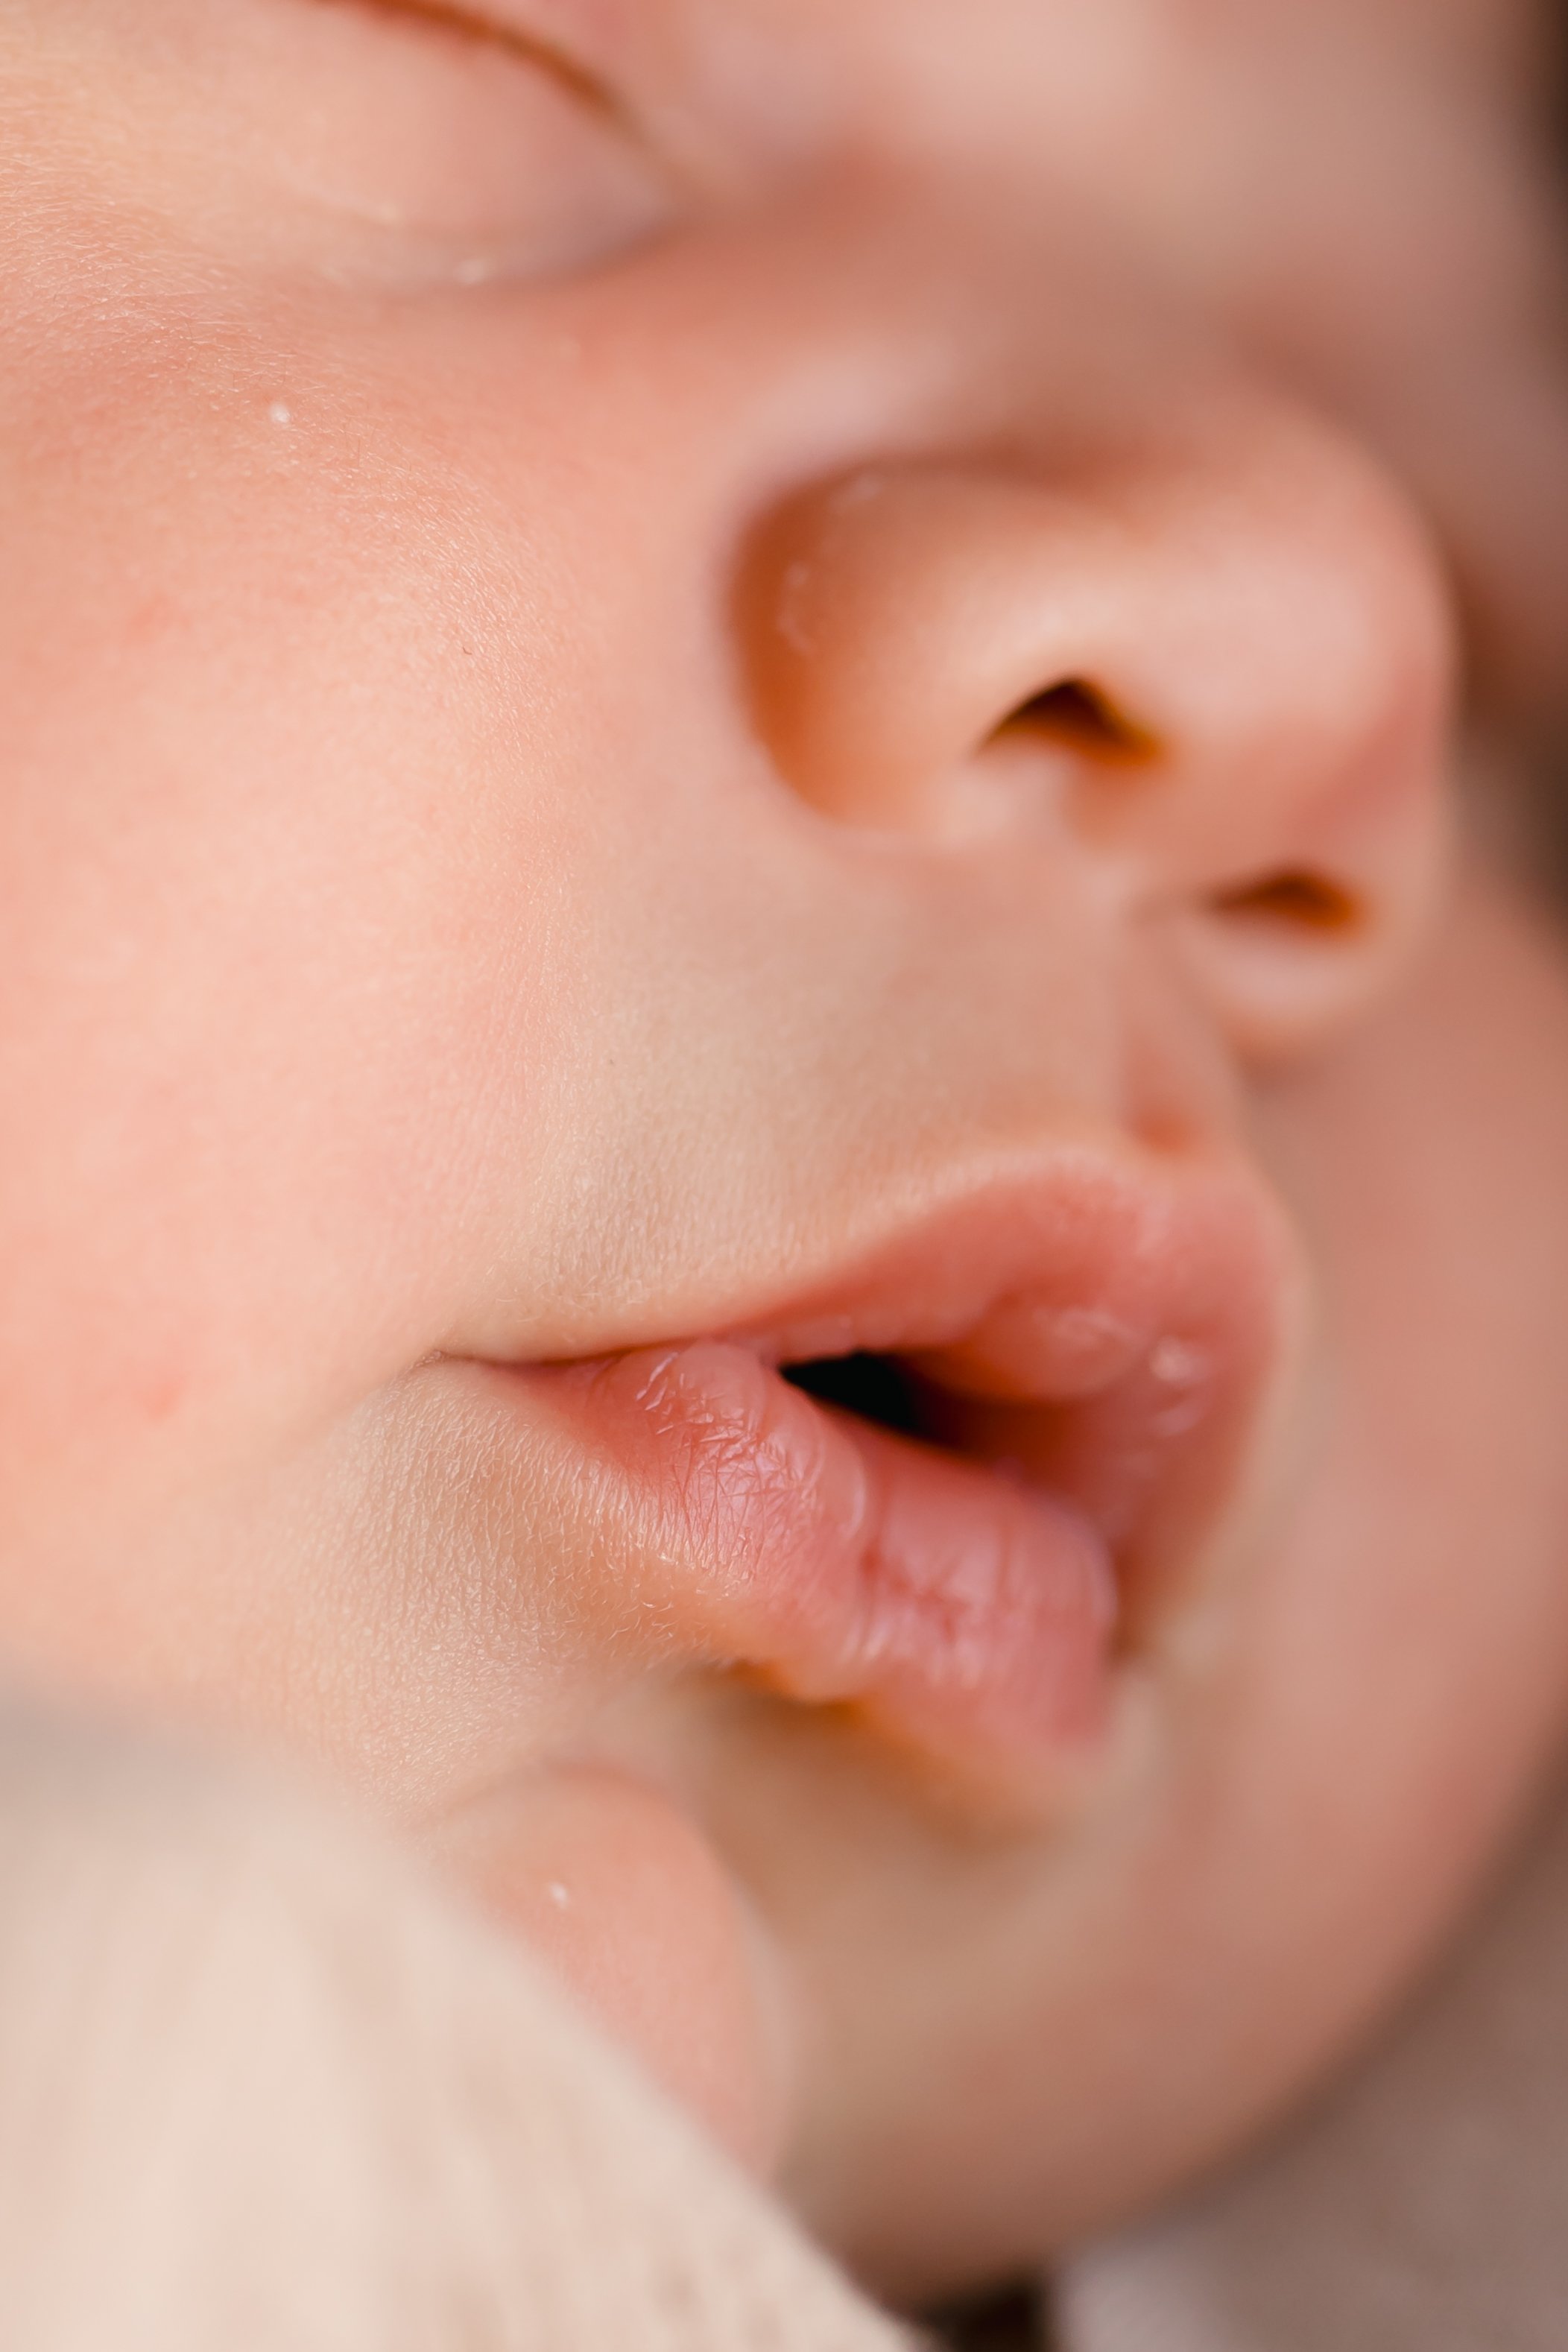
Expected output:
(429, 931)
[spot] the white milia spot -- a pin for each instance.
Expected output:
(559, 1893)
(280, 412)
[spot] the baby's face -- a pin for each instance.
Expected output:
(670, 714)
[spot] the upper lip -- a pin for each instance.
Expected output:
(1113, 1321)
(1101, 1229)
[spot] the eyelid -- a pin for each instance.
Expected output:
(479, 23)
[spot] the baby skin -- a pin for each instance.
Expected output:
(769, 1149)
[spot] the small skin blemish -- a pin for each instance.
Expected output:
(280, 412)
(162, 1395)
(559, 1893)
(154, 617)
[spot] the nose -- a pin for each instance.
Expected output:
(1215, 676)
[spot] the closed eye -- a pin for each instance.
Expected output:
(438, 141)
(513, 40)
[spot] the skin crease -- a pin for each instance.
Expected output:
(438, 924)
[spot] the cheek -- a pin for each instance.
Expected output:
(1324, 1763)
(1356, 1729)
(270, 937)
(1420, 1609)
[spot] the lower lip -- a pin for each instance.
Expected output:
(947, 1602)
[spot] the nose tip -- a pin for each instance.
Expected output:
(1217, 679)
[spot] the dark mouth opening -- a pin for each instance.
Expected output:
(889, 1393)
(877, 1388)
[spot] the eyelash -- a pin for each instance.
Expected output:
(444, 136)
(443, 15)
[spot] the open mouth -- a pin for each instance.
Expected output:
(878, 1389)
(993, 1605)
(949, 1494)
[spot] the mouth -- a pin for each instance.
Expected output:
(950, 1493)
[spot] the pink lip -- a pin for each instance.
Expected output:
(1095, 1342)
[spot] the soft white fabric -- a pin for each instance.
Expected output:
(1422, 2208)
(262, 2089)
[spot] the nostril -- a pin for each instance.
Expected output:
(1295, 900)
(1286, 958)
(1080, 716)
